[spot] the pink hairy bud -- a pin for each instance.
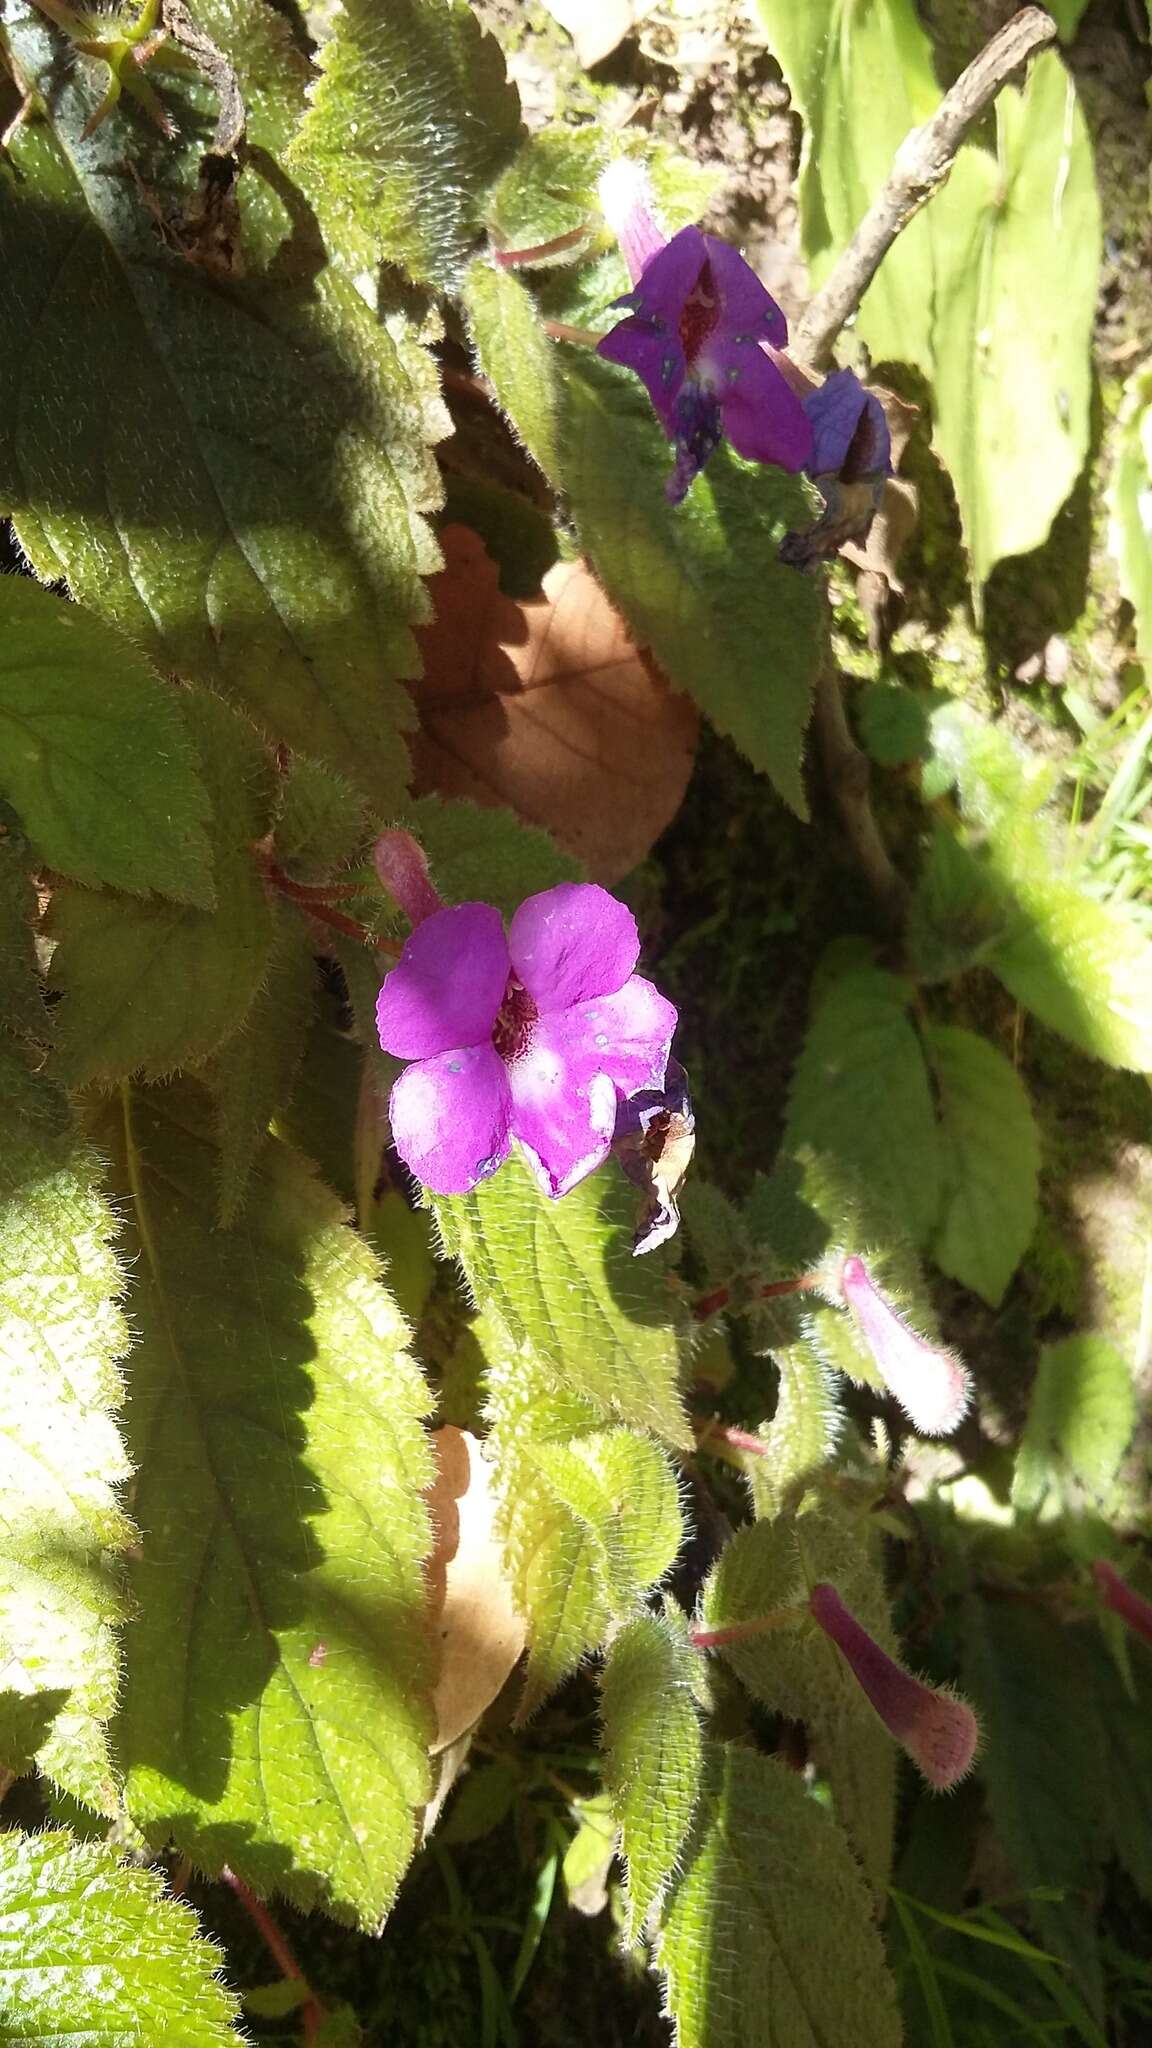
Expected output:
(402, 866)
(938, 1732)
(931, 1384)
(1117, 1594)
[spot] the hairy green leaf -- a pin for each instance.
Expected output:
(475, 852)
(769, 1940)
(699, 583)
(1130, 504)
(92, 1951)
(320, 824)
(1080, 1422)
(154, 986)
(517, 357)
(621, 1489)
(796, 1671)
(233, 467)
(991, 1161)
(253, 1076)
(1083, 967)
(561, 1275)
(860, 1094)
(275, 1707)
(653, 1755)
(61, 1333)
(801, 1438)
(1042, 1763)
(93, 753)
(548, 190)
(411, 121)
(956, 912)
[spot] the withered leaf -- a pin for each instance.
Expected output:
(549, 709)
(477, 1631)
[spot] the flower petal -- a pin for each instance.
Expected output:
(669, 278)
(763, 418)
(850, 431)
(572, 942)
(697, 431)
(565, 1087)
(450, 1118)
(747, 306)
(628, 206)
(939, 1732)
(447, 985)
(657, 358)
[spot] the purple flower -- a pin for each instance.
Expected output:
(699, 334)
(850, 437)
(939, 1733)
(931, 1384)
(534, 1036)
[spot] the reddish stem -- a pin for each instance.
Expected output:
(733, 1439)
(772, 1290)
(313, 2014)
(741, 1631)
(316, 903)
(507, 259)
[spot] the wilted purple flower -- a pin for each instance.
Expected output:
(534, 1036)
(699, 335)
(1117, 1594)
(939, 1733)
(850, 437)
(931, 1384)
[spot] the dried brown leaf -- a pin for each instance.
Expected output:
(479, 1635)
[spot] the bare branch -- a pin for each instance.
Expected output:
(921, 165)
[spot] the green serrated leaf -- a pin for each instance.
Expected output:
(548, 190)
(1130, 504)
(61, 1333)
(253, 1077)
(1083, 967)
(1017, 239)
(801, 1438)
(1080, 1422)
(1042, 1763)
(321, 822)
(769, 1940)
(653, 1753)
(22, 1007)
(561, 1275)
(93, 753)
(991, 1161)
(956, 914)
(699, 583)
(621, 1489)
(796, 1671)
(154, 986)
(477, 853)
(93, 1951)
(411, 121)
(517, 357)
(234, 467)
(860, 1094)
(275, 1705)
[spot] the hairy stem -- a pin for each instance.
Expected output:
(921, 165)
(312, 2013)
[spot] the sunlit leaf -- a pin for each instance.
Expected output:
(93, 753)
(1080, 1421)
(801, 1438)
(1083, 967)
(1131, 505)
(253, 1076)
(769, 1939)
(991, 1161)
(517, 357)
(548, 190)
(275, 1706)
(653, 1755)
(94, 1951)
(61, 1334)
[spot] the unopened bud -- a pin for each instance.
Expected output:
(1117, 1594)
(402, 866)
(627, 204)
(931, 1384)
(938, 1732)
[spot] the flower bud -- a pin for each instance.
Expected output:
(931, 1384)
(938, 1732)
(627, 203)
(402, 866)
(1117, 1594)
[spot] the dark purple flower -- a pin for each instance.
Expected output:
(699, 334)
(534, 1036)
(939, 1732)
(850, 437)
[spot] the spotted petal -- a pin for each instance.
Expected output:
(656, 357)
(450, 1118)
(566, 1087)
(447, 985)
(763, 418)
(571, 943)
(746, 305)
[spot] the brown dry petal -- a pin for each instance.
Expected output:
(548, 709)
(478, 1633)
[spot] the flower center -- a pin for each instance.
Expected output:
(512, 1031)
(699, 314)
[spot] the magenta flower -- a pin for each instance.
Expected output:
(931, 1384)
(1117, 1594)
(700, 333)
(535, 1036)
(939, 1733)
